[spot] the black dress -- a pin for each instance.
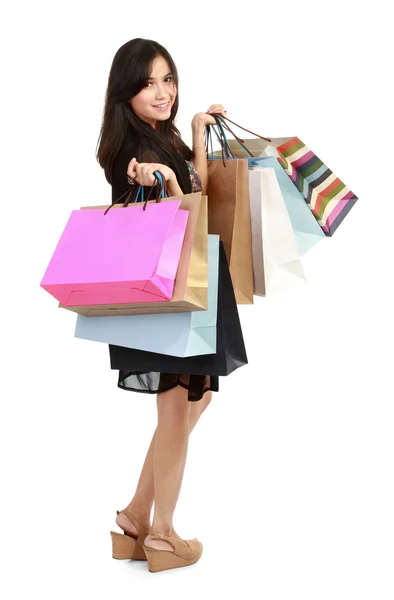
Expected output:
(156, 382)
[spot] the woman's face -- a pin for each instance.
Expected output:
(154, 102)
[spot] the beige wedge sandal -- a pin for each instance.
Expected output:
(124, 545)
(185, 553)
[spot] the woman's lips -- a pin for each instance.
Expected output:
(162, 106)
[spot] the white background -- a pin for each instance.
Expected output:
(289, 478)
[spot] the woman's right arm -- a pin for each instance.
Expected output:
(142, 172)
(119, 181)
(125, 165)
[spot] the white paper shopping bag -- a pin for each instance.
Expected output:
(276, 259)
(306, 229)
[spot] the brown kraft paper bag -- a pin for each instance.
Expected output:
(229, 216)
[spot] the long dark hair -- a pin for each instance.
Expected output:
(130, 71)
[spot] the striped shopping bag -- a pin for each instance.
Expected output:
(327, 196)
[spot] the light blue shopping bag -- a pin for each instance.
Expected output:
(307, 230)
(174, 334)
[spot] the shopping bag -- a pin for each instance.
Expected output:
(307, 230)
(191, 282)
(128, 255)
(230, 348)
(327, 197)
(185, 334)
(229, 217)
(276, 260)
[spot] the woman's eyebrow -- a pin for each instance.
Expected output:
(153, 78)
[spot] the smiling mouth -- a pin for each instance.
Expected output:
(162, 106)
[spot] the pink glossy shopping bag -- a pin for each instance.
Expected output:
(124, 256)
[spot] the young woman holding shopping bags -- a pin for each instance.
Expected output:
(138, 136)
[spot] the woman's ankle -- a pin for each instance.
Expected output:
(161, 526)
(141, 513)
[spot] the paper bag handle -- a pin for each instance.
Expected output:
(131, 194)
(243, 128)
(162, 191)
(226, 150)
(221, 136)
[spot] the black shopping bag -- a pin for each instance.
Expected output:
(230, 347)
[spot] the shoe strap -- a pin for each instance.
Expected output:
(142, 533)
(181, 547)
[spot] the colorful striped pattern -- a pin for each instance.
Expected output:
(327, 196)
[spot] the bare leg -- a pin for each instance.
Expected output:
(141, 504)
(169, 456)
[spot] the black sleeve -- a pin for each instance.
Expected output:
(119, 172)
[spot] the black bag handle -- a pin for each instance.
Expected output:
(131, 193)
(221, 121)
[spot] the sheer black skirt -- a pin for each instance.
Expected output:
(155, 383)
(197, 374)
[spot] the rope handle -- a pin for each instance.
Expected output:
(135, 191)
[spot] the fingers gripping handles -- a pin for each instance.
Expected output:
(136, 193)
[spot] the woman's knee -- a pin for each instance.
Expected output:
(173, 404)
(205, 400)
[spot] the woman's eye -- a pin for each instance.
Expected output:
(166, 80)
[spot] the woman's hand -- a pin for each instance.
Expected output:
(206, 118)
(142, 173)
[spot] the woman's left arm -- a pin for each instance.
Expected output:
(199, 122)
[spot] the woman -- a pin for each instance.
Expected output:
(138, 137)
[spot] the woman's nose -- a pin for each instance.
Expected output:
(160, 91)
